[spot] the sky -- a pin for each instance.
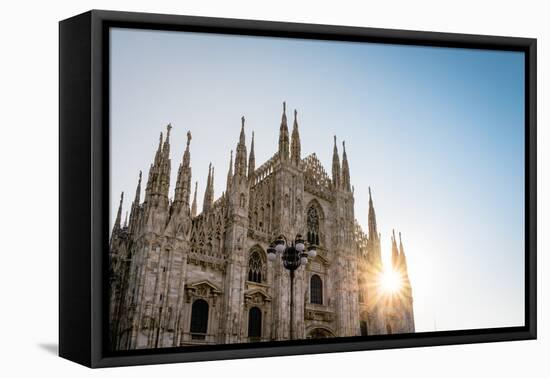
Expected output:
(437, 133)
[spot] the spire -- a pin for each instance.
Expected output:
(209, 192)
(166, 147)
(138, 190)
(283, 136)
(240, 159)
(135, 205)
(335, 166)
(159, 150)
(402, 257)
(345, 169)
(373, 233)
(183, 183)
(159, 173)
(295, 146)
(229, 173)
(119, 213)
(194, 205)
(251, 159)
(125, 220)
(394, 252)
(187, 155)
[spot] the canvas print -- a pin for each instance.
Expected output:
(271, 189)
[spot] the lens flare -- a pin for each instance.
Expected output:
(391, 281)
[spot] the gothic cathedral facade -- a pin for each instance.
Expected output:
(179, 276)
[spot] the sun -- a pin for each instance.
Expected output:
(391, 281)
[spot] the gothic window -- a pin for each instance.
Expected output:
(255, 267)
(388, 329)
(255, 323)
(316, 290)
(261, 220)
(243, 200)
(199, 317)
(312, 226)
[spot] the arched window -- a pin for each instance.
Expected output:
(388, 329)
(255, 324)
(199, 318)
(316, 290)
(312, 225)
(255, 267)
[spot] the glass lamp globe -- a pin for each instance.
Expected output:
(280, 247)
(271, 256)
(303, 260)
(300, 247)
(312, 253)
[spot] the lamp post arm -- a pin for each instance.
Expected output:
(292, 305)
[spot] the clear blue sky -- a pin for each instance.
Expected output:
(436, 132)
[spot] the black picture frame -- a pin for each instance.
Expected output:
(84, 186)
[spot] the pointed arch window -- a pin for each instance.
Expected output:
(316, 290)
(388, 329)
(312, 225)
(199, 319)
(255, 324)
(255, 268)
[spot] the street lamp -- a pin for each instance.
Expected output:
(293, 255)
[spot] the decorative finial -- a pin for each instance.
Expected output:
(399, 236)
(344, 145)
(369, 192)
(242, 122)
(188, 138)
(139, 176)
(335, 141)
(284, 106)
(295, 113)
(168, 128)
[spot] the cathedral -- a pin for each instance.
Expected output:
(181, 276)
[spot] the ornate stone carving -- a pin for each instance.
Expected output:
(256, 297)
(202, 289)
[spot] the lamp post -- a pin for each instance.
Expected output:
(293, 256)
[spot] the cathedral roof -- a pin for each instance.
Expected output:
(316, 177)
